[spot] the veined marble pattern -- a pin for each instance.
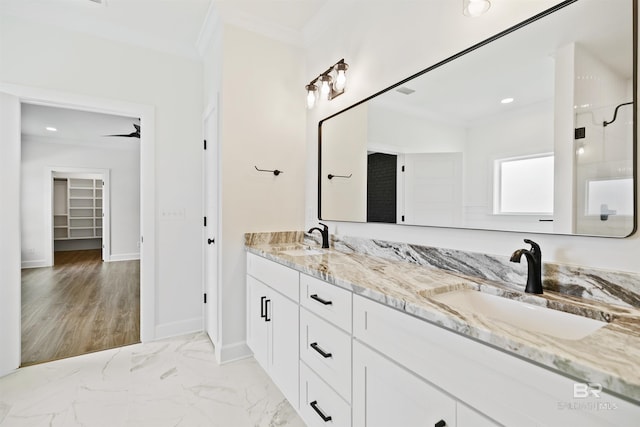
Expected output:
(174, 382)
(609, 356)
(612, 287)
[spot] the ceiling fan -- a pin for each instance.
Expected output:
(135, 134)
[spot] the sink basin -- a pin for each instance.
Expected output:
(520, 314)
(303, 252)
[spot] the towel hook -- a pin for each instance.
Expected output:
(276, 172)
(331, 176)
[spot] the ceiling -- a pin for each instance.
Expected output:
(77, 127)
(145, 22)
(471, 87)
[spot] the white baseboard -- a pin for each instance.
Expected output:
(232, 352)
(124, 257)
(183, 327)
(35, 264)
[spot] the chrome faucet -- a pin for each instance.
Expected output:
(325, 234)
(534, 264)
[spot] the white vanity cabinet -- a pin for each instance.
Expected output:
(487, 386)
(272, 322)
(345, 360)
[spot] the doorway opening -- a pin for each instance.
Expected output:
(80, 287)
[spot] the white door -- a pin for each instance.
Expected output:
(433, 189)
(9, 233)
(210, 220)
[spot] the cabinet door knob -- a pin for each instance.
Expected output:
(441, 423)
(320, 300)
(316, 347)
(315, 407)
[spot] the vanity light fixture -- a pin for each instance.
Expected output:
(51, 129)
(506, 101)
(332, 83)
(475, 8)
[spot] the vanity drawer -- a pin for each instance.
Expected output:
(327, 350)
(318, 402)
(326, 300)
(283, 279)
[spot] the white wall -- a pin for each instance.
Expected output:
(50, 58)
(40, 154)
(394, 131)
(257, 82)
(521, 132)
(385, 43)
(344, 152)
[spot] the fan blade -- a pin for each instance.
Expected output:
(128, 135)
(135, 134)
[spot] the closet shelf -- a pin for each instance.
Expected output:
(82, 198)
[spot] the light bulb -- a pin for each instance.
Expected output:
(311, 99)
(580, 151)
(325, 89)
(311, 95)
(341, 81)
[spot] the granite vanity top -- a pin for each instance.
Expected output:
(609, 356)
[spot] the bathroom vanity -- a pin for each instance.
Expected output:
(354, 339)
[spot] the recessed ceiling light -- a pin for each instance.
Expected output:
(507, 101)
(51, 129)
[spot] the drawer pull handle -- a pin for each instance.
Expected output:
(324, 417)
(316, 347)
(266, 310)
(320, 300)
(262, 306)
(440, 423)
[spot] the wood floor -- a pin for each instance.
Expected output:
(79, 306)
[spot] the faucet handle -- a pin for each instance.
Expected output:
(535, 248)
(324, 225)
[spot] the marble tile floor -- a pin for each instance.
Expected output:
(174, 382)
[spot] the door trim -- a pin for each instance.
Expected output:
(148, 249)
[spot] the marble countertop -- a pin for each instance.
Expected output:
(610, 356)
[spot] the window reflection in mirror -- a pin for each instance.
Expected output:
(550, 86)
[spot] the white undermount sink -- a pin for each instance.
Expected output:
(520, 314)
(303, 252)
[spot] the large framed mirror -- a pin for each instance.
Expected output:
(531, 130)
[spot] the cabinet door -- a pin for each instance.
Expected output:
(257, 327)
(385, 394)
(467, 417)
(282, 316)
